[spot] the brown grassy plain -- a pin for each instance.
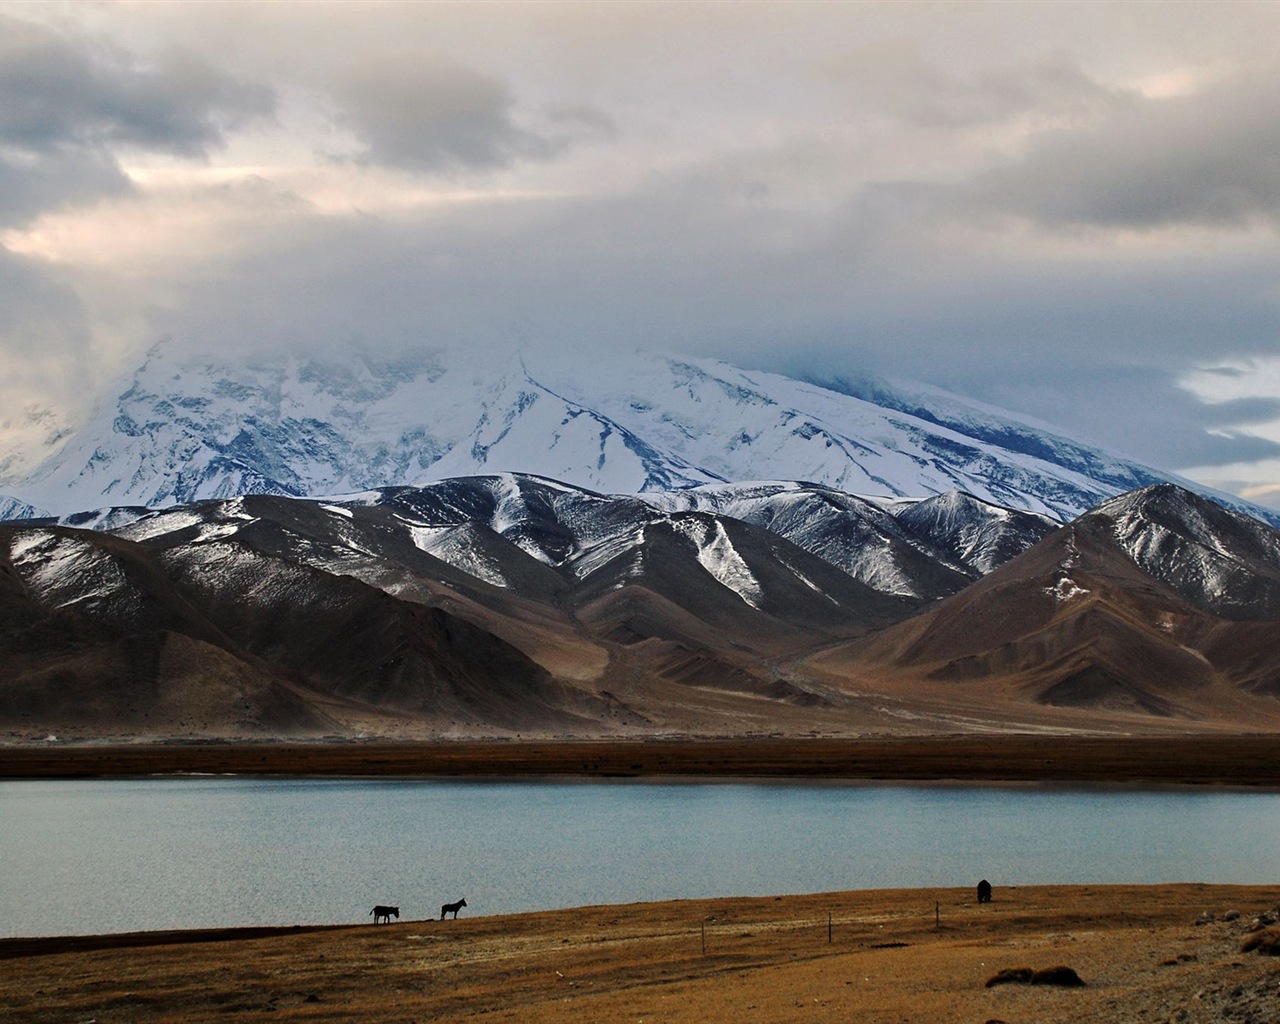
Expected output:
(877, 957)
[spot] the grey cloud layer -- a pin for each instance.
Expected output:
(1210, 159)
(423, 112)
(59, 91)
(921, 190)
(895, 78)
(67, 103)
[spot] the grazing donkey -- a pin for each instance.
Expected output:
(452, 908)
(984, 891)
(383, 915)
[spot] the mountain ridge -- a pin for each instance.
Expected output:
(1089, 619)
(515, 605)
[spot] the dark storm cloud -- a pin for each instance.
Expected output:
(57, 91)
(1211, 159)
(426, 113)
(68, 104)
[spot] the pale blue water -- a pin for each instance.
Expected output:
(117, 855)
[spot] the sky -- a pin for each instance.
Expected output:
(1071, 211)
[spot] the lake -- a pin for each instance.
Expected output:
(123, 855)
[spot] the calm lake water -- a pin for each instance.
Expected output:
(116, 855)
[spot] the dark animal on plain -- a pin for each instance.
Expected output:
(452, 908)
(984, 891)
(383, 915)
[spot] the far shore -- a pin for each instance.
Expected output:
(1194, 759)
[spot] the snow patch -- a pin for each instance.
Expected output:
(1067, 589)
(454, 545)
(721, 559)
(64, 570)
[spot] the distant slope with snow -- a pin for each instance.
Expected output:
(1157, 605)
(181, 430)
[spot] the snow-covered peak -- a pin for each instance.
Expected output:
(181, 429)
(1216, 558)
(984, 535)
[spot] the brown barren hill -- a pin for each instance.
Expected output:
(1074, 633)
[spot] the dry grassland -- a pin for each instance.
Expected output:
(879, 957)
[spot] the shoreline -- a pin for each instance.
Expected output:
(21, 946)
(1245, 761)
(1153, 952)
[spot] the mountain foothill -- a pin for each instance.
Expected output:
(243, 590)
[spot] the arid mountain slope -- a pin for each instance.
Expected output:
(1157, 604)
(103, 635)
(515, 605)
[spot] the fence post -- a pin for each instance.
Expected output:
(704, 938)
(937, 915)
(828, 927)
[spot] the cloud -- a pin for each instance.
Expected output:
(1046, 210)
(55, 180)
(892, 77)
(717, 258)
(58, 91)
(1207, 159)
(38, 316)
(45, 343)
(428, 113)
(69, 103)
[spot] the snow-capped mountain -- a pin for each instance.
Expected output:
(913, 547)
(895, 547)
(182, 430)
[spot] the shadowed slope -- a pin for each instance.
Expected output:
(1078, 621)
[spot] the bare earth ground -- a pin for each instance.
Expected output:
(883, 961)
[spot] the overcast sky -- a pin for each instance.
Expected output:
(1068, 210)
